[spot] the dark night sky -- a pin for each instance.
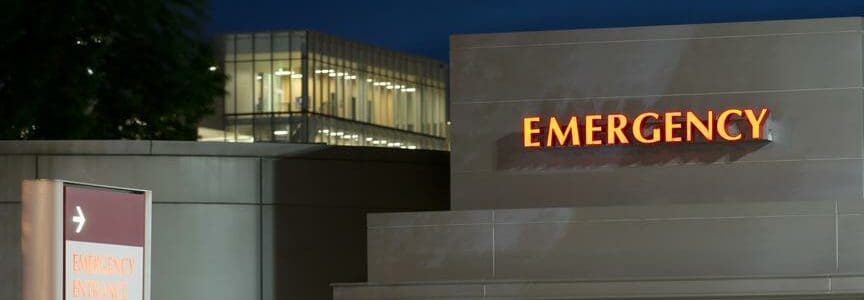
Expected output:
(423, 27)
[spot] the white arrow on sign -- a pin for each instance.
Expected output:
(80, 219)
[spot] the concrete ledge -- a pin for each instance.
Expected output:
(606, 214)
(106, 147)
(428, 218)
(663, 240)
(797, 287)
(127, 147)
(193, 148)
(232, 149)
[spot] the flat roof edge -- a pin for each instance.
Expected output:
(660, 31)
(217, 149)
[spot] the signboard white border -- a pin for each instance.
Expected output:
(42, 241)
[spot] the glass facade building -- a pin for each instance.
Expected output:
(309, 87)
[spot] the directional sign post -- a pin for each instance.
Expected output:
(85, 242)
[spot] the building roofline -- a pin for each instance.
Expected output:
(318, 32)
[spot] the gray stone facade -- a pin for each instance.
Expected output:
(705, 220)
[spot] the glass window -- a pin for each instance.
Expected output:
(239, 130)
(326, 85)
(263, 130)
(364, 85)
(315, 88)
(229, 88)
(411, 110)
(351, 95)
(244, 47)
(282, 45)
(230, 128)
(263, 87)
(344, 81)
(298, 44)
(287, 86)
(244, 87)
(263, 48)
(290, 128)
(244, 134)
(329, 83)
(228, 47)
(312, 85)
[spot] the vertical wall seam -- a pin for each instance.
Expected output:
(272, 93)
(493, 247)
(36, 170)
(836, 202)
(261, 228)
(234, 81)
(836, 237)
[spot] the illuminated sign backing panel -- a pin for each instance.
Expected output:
(104, 236)
(103, 271)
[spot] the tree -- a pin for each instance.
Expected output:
(105, 69)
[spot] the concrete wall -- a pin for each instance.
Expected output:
(781, 250)
(766, 239)
(235, 221)
(577, 223)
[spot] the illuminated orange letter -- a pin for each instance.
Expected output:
(615, 129)
(590, 129)
(723, 129)
(637, 129)
(670, 126)
(555, 131)
(528, 131)
(757, 125)
(707, 130)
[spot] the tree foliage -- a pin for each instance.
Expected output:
(105, 69)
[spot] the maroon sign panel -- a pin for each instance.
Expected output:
(104, 216)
